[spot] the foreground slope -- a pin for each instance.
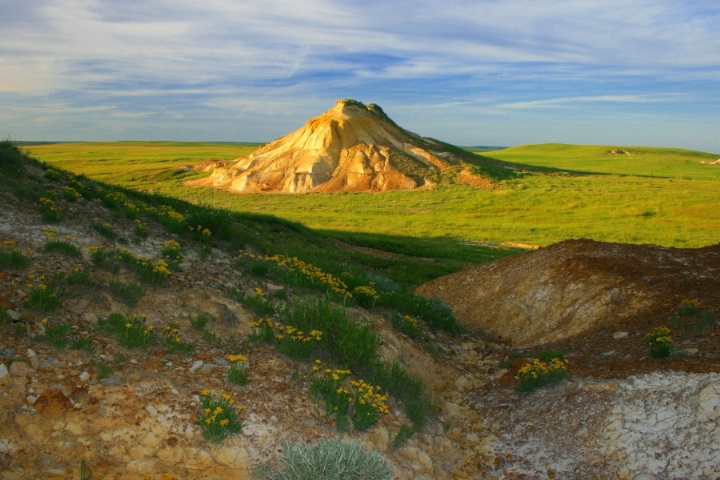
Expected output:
(351, 147)
(75, 391)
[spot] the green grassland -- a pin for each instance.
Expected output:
(653, 195)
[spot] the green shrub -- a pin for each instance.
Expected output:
(199, 321)
(11, 256)
(105, 229)
(45, 295)
(12, 160)
(329, 459)
(345, 341)
(219, 418)
(537, 374)
(129, 293)
(56, 335)
(660, 342)
(131, 332)
(64, 247)
(433, 311)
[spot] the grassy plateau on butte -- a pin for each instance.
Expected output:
(621, 194)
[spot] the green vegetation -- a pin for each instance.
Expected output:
(219, 418)
(561, 191)
(330, 459)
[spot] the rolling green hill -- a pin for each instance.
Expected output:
(653, 195)
(640, 161)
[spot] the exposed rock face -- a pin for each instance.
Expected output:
(568, 288)
(351, 147)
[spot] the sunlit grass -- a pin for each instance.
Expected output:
(658, 196)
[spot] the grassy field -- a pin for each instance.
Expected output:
(653, 195)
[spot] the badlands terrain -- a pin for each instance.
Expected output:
(122, 412)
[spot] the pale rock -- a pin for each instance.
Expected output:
(33, 358)
(140, 467)
(196, 365)
(140, 452)
(75, 428)
(226, 455)
(170, 456)
(4, 373)
(379, 437)
(84, 376)
(709, 403)
(151, 410)
(33, 431)
(90, 318)
(21, 369)
(420, 460)
(200, 461)
(113, 380)
(151, 440)
(620, 335)
(14, 315)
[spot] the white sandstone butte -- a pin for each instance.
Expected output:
(351, 147)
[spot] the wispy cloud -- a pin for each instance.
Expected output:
(248, 69)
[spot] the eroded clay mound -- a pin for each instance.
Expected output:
(573, 286)
(351, 147)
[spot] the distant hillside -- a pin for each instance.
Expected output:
(622, 160)
(353, 147)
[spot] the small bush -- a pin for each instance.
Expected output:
(129, 293)
(199, 321)
(219, 417)
(237, 374)
(12, 160)
(105, 229)
(329, 459)
(660, 342)
(49, 210)
(131, 332)
(258, 303)
(539, 374)
(11, 256)
(67, 248)
(56, 335)
(44, 296)
(435, 313)
(80, 277)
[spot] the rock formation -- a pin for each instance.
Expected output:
(571, 287)
(351, 147)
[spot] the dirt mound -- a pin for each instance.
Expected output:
(351, 147)
(573, 286)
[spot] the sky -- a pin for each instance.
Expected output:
(468, 72)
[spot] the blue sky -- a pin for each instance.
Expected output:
(469, 72)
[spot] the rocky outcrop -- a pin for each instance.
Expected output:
(573, 286)
(351, 147)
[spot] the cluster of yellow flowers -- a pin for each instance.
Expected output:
(48, 206)
(172, 334)
(659, 335)
(367, 395)
(294, 264)
(539, 369)
(237, 358)
(410, 320)
(172, 244)
(219, 416)
(70, 193)
(10, 246)
(366, 290)
(205, 232)
(297, 335)
(262, 322)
